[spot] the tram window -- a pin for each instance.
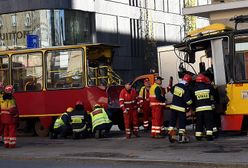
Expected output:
(241, 58)
(64, 69)
(4, 70)
(27, 72)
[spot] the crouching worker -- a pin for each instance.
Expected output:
(62, 127)
(80, 121)
(101, 124)
(9, 117)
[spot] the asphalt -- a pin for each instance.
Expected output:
(228, 150)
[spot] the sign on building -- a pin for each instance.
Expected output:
(32, 41)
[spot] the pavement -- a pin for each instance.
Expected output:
(228, 150)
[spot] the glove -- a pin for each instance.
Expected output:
(125, 111)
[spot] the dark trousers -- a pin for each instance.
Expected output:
(106, 127)
(204, 119)
(62, 131)
(181, 116)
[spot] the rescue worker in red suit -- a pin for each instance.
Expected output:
(157, 103)
(144, 103)
(180, 102)
(1, 99)
(9, 117)
(128, 104)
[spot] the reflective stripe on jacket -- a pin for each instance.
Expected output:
(59, 122)
(9, 113)
(181, 97)
(143, 96)
(154, 101)
(99, 117)
(128, 99)
(203, 97)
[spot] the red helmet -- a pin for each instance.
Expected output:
(79, 102)
(187, 78)
(9, 89)
(207, 80)
(200, 78)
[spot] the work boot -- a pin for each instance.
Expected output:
(198, 138)
(158, 136)
(209, 138)
(6, 145)
(135, 133)
(98, 134)
(128, 136)
(215, 132)
(172, 136)
(183, 138)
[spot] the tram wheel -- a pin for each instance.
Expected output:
(40, 130)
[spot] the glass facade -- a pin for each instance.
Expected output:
(53, 28)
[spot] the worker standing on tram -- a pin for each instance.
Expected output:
(144, 103)
(128, 104)
(62, 127)
(180, 102)
(204, 92)
(9, 117)
(1, 99)
(157, 103)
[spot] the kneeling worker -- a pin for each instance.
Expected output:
(80, 121)
(62, 125)
(100, 121)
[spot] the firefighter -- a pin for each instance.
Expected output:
(203, 92)
(214, 99)
(80, 121)
(128, 104)
(144, 103)
(62, 126)
(9, 117)
(100, 122)
(1, 99)
(157, 103)
(180, 102)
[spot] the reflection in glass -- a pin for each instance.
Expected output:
(64, 69)
(27, 72)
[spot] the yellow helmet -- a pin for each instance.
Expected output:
(97, 106)
(69, 109)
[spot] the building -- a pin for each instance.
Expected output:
(219, 11)
(138, 26)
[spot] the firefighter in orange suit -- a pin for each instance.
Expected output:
(144, 103)
(1, 99)
(128, 104)
(157, 103)
(9, 117)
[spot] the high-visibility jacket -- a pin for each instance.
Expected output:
(9, 113)
(128, 99)
(99, 117)
(59, 121)
(181, 97)
(78, 120)
(156, 96)
(203, 97)
(143, 96)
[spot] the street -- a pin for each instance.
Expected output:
(116, 151)
(41, 163)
